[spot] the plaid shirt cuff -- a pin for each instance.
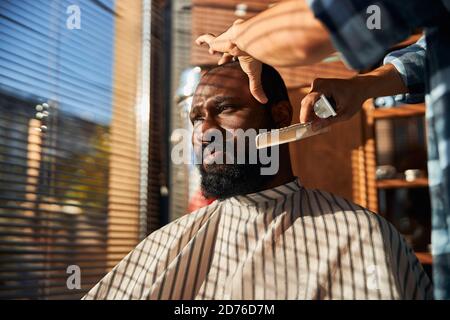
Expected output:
(410, 64)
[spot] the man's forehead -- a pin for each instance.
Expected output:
(224, 82)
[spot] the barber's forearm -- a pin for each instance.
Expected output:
(383, 81)
(286, 34)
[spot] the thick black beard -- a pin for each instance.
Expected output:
(228, 180)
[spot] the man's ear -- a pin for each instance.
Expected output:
(282, 114)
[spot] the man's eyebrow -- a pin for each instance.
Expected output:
(220, 99)
(217, 99)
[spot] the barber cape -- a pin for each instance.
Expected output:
(282, 243)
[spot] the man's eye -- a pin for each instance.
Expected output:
(225, 107)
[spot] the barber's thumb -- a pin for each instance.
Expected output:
(226, 57)
(307, 107)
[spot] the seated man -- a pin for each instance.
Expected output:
(266, 236)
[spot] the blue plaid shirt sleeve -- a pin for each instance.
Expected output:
(362, 44)
(410, 63)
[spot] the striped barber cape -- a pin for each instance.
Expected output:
(286, 242)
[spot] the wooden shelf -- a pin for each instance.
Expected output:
(407, 110)
(424, 257)
(401, 183)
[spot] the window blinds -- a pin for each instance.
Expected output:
(69, 144)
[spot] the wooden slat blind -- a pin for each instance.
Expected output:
(69, 147)
(181, 56)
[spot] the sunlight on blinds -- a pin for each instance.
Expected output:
(69, 146)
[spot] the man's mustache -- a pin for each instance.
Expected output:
(208, 148)
(234, 147)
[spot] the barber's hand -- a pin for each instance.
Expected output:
(346, 93)
(224, 44)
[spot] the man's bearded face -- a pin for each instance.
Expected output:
(222, 110)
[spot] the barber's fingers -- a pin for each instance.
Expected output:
(256, 88)
(208, 39)
(205, 38)
(217, 44)
(253, 69)
(226, 57)
(307, 107)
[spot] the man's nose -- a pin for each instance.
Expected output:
(202, 133)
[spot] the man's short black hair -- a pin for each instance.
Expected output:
(273, 85)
